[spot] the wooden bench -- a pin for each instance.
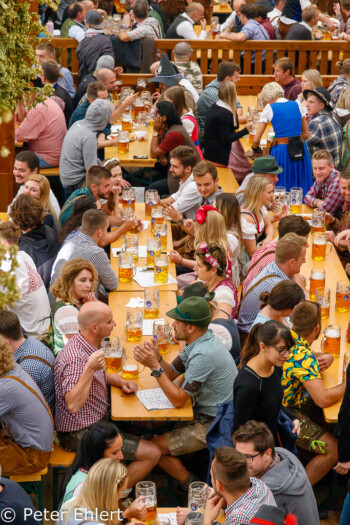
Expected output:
(60, 459)
(227, 180)
(321, 55)
(33, 484)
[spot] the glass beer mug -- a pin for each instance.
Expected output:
(127, 270)
(330, 344)
(129, 198)
(153, 250)
(323, 298)
(161, 232)
(198, 494)
(317, 280)
(319, 246)
(151, 198)
(113, 355)
(151, 304)
(279, 197)
(157, 216)
(161, 269)
(127, 122)
(296, 200)
(318, 220)
(130, 367)
(131, 245)
(123, 142)
(149, 491)
(162, 334)
(133, 325)
(342, 296)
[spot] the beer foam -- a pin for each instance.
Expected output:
(319, 240)
(317, 276)
(129, 368)
(332, 334)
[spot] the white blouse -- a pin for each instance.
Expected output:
(249, 230)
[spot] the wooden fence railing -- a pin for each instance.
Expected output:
(321, 55)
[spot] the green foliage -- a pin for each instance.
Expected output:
(18, 36)
(9, 292)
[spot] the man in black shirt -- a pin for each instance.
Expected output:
(16, 507)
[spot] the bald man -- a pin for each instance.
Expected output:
(81, 390)
(182, 27)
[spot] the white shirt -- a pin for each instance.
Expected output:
(53, 202)
(267, 113)
(187, 198)
(185, 29)
(306, 25)
(274, 17)
(187, 84)
(77, 32)
(33, 308)
(229, 22)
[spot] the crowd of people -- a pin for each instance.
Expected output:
(243, 320)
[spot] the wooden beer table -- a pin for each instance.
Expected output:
(125, 407)
(143, 236)
(136, 147)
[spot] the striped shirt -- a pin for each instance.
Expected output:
(250, 304)
(69, 367)
(245, 507)
(82, 245)
(264, 258)
(39, 371)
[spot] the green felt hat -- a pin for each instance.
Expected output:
(193, 310)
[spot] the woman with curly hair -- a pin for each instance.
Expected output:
(39, 187)
(75, 286)
(27, 424)
(37, 239)
(213, 267)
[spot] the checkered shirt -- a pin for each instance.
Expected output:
(81, 245)
(328, 191)
(245, 507)
(69, 367)
(325, 132)
(148, 28)
(265, 259)
(40, 372)
(337, 87)
(250, 304)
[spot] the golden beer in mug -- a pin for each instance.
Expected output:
(126, 267)
(127, 122)
(162, 334)
(330, 344)
(123, 142)
(147, 489)
(151, 304)
(318, 221)
(130, 370)
(133, 325)
(161, 269)
(113, 355)
(296, 200)
(153, 250)
(342, 296)
(319, 246)
(317, 280)
(113, 364)
(157, 216)
(323, 298)
(129, 198)
(161, 232)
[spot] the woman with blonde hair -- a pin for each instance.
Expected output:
(255, 223)
(288, 148)
(310, 79)
(38, 187)
(176, 96)
(221, 125)
(74, 287)
(97, 501)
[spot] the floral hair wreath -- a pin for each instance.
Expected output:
(213, 262)
(201, 215)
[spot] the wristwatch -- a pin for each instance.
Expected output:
(123, 520)
(180, 222)
(157, 372)
(155, 134)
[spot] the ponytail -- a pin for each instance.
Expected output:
(264, 298)
(251, 347)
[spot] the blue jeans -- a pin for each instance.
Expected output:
(43, 164)
(345, 515)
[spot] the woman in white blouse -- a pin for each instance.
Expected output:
(75, 286)
(256, 225)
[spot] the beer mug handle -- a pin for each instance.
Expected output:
(322, 344)
(134, 270)
(331, 245)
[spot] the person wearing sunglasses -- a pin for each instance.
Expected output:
(257, 390)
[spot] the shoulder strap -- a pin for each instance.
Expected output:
(256, 284)
(38, 359)
(43, 402)
(258, 260)
(70, 202)
(347, 142)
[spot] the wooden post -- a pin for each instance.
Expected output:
(7, 140)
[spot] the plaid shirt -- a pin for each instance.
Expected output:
(69, 367)
(325, 132)
(148, 28)
(40, 372)
(328, 191)
(245, 507)
(250, 304)
(266, 259)
(337, 87)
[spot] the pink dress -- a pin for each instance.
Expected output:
(229, 284)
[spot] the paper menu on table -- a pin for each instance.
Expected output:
(135, 302)
(154, 399)
(141, 253)
(146, 279)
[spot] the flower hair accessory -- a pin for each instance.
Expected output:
(201, 215)
(213, 262)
